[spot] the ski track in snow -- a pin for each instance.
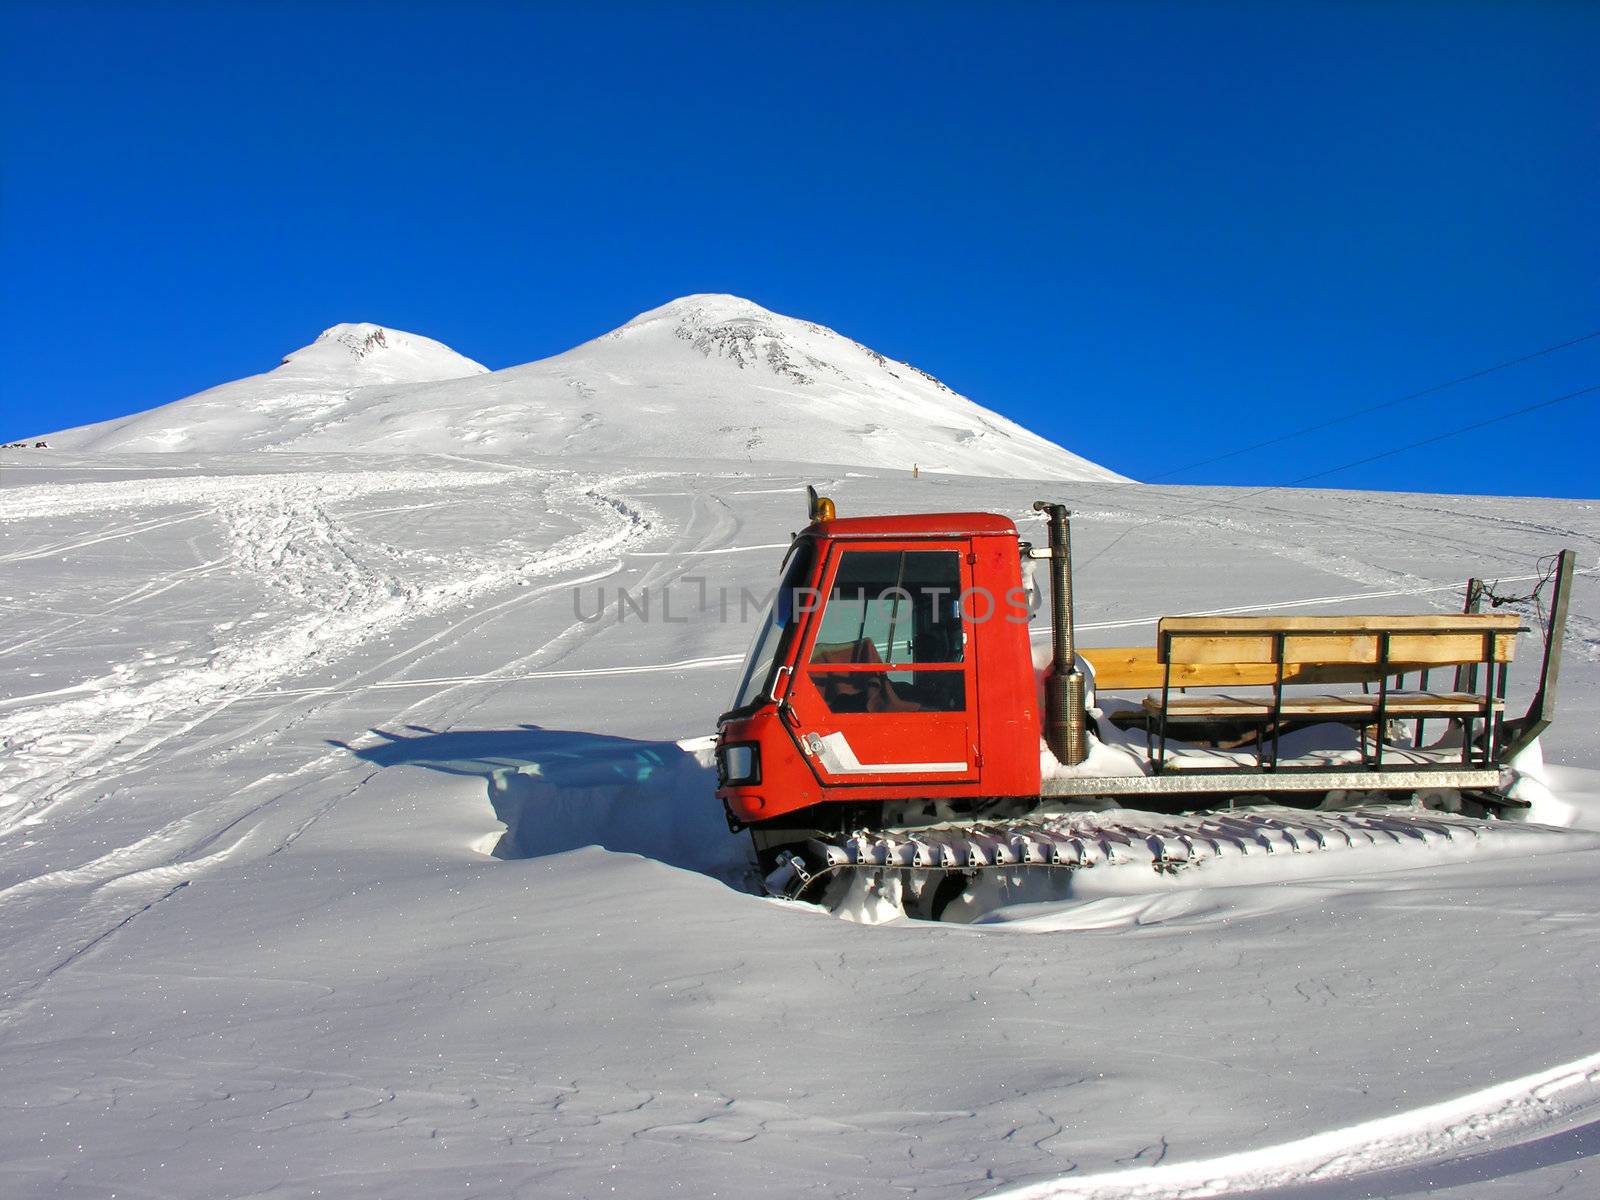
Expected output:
(282, 530)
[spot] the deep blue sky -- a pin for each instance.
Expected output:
(1151, 232)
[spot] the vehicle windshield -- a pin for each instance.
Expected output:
(775, 625)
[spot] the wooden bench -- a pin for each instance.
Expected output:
(1278, 651)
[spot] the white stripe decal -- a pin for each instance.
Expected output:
(839, 758)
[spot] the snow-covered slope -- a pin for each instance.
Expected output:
(310, 388)
(346, 848)
(702, 377)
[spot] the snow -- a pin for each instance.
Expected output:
(1438, 1133)
(341, 854)
(313, 389)
(704, 377)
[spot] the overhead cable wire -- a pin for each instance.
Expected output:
(1371, 458)
(1380, 406)
(1439, 437)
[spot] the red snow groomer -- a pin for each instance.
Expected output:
(888, 737)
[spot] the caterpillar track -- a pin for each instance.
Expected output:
(961, 872)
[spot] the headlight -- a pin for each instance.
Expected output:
(739, 763)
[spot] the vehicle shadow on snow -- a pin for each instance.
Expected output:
(557, 790)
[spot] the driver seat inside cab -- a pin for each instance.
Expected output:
(889, 608)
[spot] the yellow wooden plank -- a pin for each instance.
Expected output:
(1437, 651)
(1457, 640)
(1293, 706)
(1434, 704)
(1403, 704)
(1137, 668)
(1258, 622)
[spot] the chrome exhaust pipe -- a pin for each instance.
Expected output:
(1064, 717)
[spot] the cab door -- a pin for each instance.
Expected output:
(883, 691)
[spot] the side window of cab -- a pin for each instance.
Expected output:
(891, 637)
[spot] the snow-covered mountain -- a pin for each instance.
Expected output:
(704, 377)
(310, 388)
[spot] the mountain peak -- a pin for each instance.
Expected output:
(361, 338)
(698, 311)
(378, 353)
(308, 391)
(740, 331)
